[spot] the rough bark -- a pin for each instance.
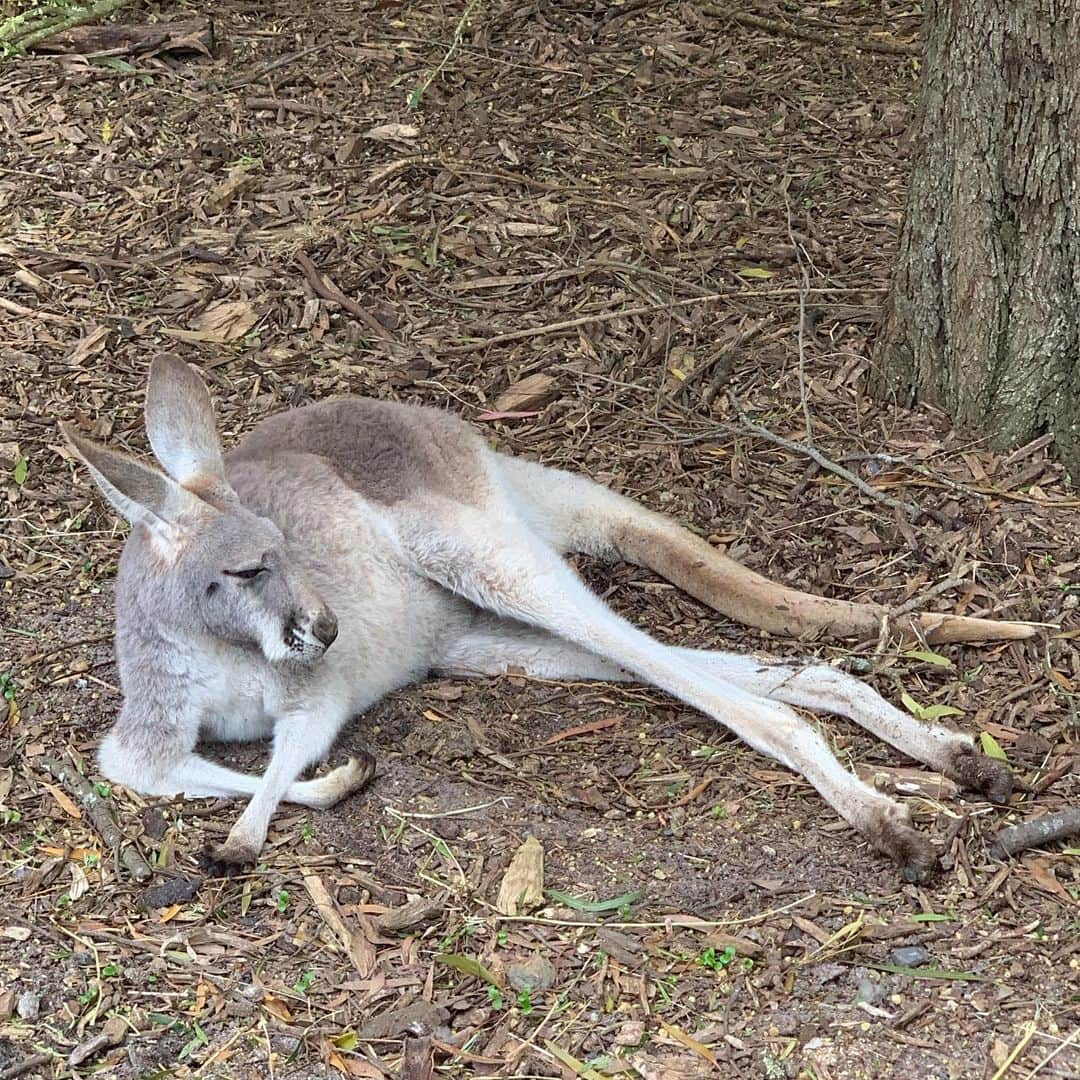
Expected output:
(122, 39)
(984, 315)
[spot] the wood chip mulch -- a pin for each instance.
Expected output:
(611, 236)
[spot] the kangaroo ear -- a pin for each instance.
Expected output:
(180, 423)
(143, 495)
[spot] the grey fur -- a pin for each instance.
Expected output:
(390, 526)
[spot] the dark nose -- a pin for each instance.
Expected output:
(325, 628)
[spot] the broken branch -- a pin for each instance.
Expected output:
(1038, 832)
(912, 510)
(100, 814)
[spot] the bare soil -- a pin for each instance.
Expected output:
(614, 224)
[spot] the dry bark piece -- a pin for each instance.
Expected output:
(112, 1034)
(1038, 832)
(527, 393)
(178, 890)
(393, 131)
(417, 1018)
(416, 1061)
(536, 973)
(360, 950)
(669, 1068)
(408, 916)
(123, 39)
(23, 1067)
(228, 320)
(236, 183)
(522, 887)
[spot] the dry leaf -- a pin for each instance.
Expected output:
(275, 1007)
(67, 804)
(228, 320)
(1043, 873)
(522, 887)
(392, 131)
(528, 393)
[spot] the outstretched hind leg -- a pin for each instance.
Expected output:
(493, 561)
(493, 646)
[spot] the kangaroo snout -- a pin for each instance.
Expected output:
(309, 633)
(325, 627)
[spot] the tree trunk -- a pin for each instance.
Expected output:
(984, 314)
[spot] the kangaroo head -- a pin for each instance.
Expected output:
(215, 567)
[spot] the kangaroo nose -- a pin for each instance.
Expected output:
(325, 628)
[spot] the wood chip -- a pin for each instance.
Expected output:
(361, 951)
(522, 887)
(527, 393)
(408, 916)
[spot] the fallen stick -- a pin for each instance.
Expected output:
(26, 36)
(800, 33)
(911, 509)
(921, 599)
(324, 287)
(100, 815)
(123, 39)
(1037, 832)
(23, 1067)
(361, 951)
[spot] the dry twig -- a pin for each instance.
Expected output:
(100, 815)
(801, 33)
(913, 510)
(21, 1068)
(1038, 832)
(324, 287)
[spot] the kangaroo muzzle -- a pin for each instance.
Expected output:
(325, 627)
(309, 634)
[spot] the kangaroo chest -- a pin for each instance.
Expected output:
(239, 699)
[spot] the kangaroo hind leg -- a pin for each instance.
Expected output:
(499, 564)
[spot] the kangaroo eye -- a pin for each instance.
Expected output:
(248, 574)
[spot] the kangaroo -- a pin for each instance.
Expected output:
(353, 546)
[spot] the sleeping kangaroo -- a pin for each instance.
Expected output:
(350, 547)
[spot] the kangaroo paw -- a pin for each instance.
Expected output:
(980, 773)
(909, 849)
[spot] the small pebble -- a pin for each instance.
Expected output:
(630, 1034)
(868, 991)
(284, 1044)
(536, 973)
(29, 1006)
(909, 956)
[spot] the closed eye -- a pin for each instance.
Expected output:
(246, 574)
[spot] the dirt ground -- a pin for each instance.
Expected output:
(620, 225)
